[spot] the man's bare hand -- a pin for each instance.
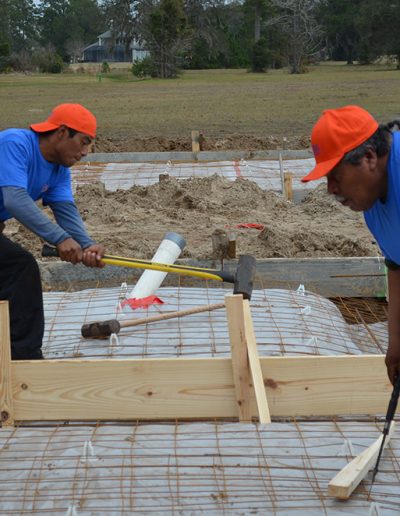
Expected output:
(92, 255)
(70, 251)
(392, 362)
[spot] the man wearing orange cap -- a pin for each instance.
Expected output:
(361, 161)
(34, 166)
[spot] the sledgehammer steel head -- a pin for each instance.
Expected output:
(244, 277)
(101, 329)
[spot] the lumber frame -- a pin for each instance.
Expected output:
(348, 478)
(196, 388)
(245, 359)
(185, 388)
(240, 362)
(6, 397)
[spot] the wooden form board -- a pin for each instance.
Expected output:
(328, 277)
(6, 395)
(197, 388)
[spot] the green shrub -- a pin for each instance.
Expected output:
(261, 56)
(143, 68)
(48, 61)
(4, 57)
(105, 67)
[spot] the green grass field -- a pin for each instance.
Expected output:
(218, 102)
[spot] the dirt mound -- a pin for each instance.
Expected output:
(231, 142)
(133, 222)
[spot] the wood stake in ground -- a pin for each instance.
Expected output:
(240, 363)
(195, 141)
(287, 181)
(245, 360)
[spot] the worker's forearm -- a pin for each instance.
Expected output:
(21, 206)
(68, 217)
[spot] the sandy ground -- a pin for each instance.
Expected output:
(231, 142)
(133, 222)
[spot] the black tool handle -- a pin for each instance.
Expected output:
(48, 250)
(393, 401)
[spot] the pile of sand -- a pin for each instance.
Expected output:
(133, 222)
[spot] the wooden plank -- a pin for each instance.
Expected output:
(326, 385)
(282, 175)
(344, 483)
(329, 277)
(287, 181)
(255, 367)
(6, 396)
(195, 141)
(195, 388)
(240, 365)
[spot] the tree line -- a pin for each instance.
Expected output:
(199, 34)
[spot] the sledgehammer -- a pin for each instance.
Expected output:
(242, 280)
(103, 329)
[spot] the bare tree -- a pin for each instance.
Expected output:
(74, 47)
(122, 20)
(302, 32)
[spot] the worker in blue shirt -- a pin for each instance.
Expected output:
(361, 161)
(34, 166)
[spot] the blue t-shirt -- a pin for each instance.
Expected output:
(383, 219)
(22, 165)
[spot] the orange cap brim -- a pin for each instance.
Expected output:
(321, 169)
(43, 127)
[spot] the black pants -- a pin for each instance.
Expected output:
(21, 286)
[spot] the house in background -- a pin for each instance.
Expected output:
(105, 49)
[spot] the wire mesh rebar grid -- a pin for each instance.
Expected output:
(196, 468)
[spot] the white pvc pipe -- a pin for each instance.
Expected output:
(168, 251)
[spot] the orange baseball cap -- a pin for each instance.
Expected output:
(73, 116)
(338, 131)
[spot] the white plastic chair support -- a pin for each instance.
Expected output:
(301, 291)
(88, 454)
(114, 341)
(374, 509)
(121, 297)
(347, 448)
(71, 511)
(312, 342)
